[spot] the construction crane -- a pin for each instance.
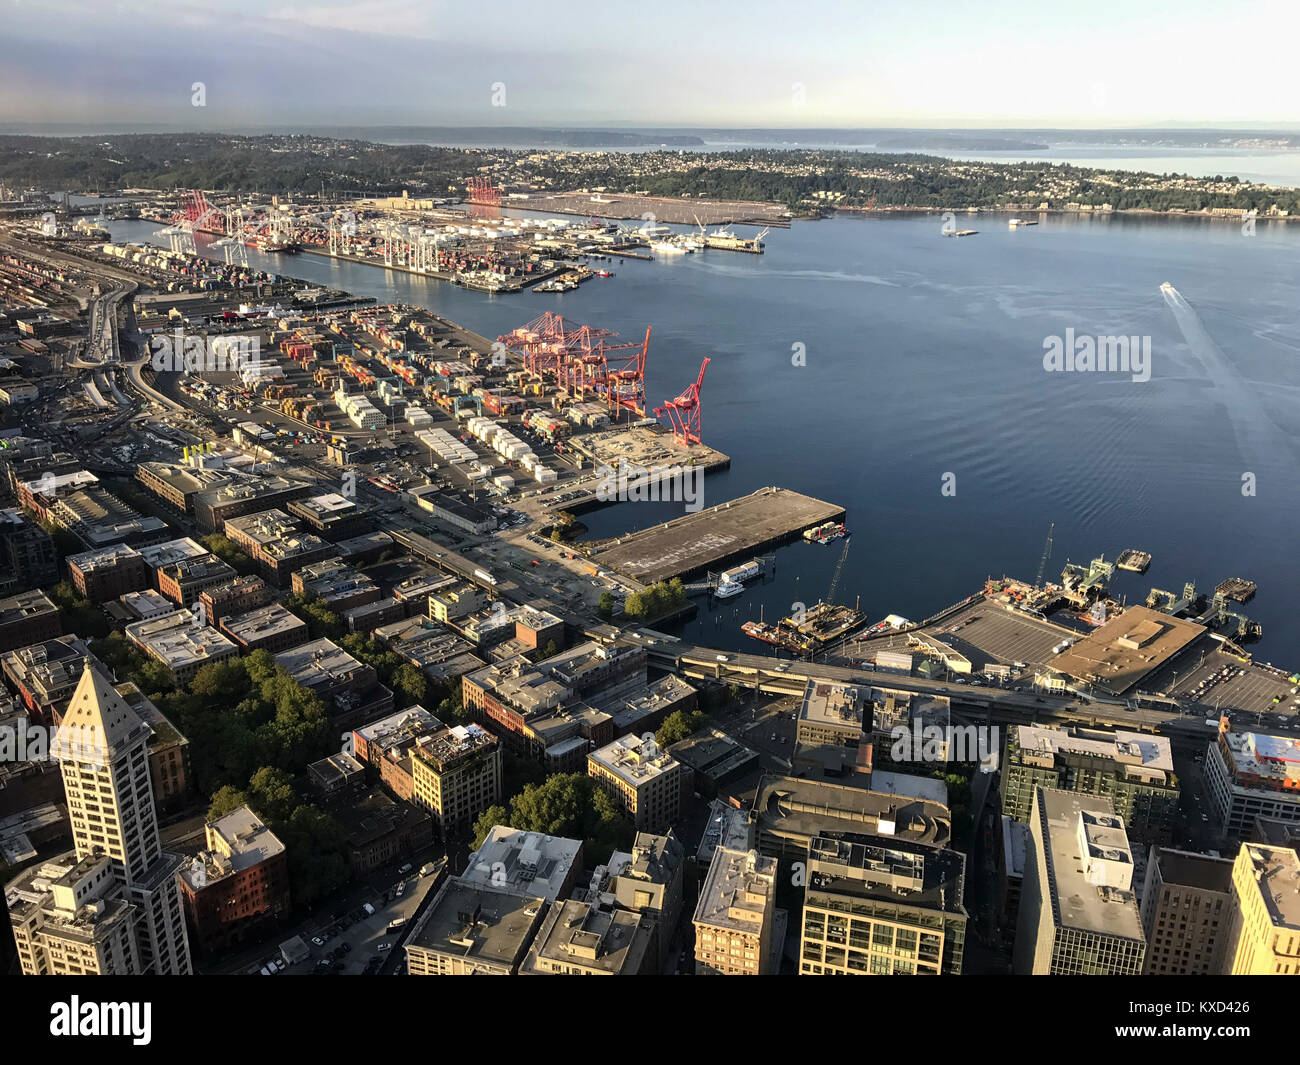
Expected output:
(839, 568)
(1047, 552)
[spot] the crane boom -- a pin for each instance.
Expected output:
(839, 568)
(1047, 551)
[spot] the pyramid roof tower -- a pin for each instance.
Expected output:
(98, 722)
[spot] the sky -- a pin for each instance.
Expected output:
(678, 63)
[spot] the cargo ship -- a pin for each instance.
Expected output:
(825, 533)
(727, 240)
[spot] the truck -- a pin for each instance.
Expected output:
(370, 910)
(485, 576)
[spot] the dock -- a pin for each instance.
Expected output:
(708, 538)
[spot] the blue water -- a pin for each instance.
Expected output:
(924, 356)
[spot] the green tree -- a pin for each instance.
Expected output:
(677, 726)
(271, 793)
(486, 821)
(229, 552)
(226, 800)
(80, 615)
(410, 685)
(606, 606)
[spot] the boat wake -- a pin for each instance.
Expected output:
(1261, 443)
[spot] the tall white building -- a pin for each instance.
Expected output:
(102, 746)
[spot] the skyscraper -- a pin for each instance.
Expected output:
(102, 747)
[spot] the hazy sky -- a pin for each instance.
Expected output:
(663, 62)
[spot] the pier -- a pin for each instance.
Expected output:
(706, 539)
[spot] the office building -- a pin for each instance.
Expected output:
(1250, 775)
(875, 906)
(470, 930)
(529, 863)
(236, 886)
(456, 775)
(108, 573)
(1078, 912)
(1263, 936)
(1135, 770)
(736, 916)
(181, 643)
(643, 779)
(71, 920)
(583, 938)
(28, 618)
(1186, 907)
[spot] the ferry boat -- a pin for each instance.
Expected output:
(726, 589)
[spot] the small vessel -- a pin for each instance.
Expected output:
(825, 533)
(776, 635)
(726, 589)
(667, 247)
(1133, 560)
(1015, 223)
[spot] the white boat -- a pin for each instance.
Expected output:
(726, 590)
(667, 247)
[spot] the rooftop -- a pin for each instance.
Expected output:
(525, 862)
(473, 922)
(838, 706)
(739, 891)
(612, 941)
(1138, 752)
(1077, 829)
(1277, 873)
(898, 871)
(1120, 653)
(1202, 871)
(633, 759)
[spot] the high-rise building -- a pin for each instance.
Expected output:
(1251, 775)
(1263, 936)
(645, 780)
(875, 906)
(1186, 906)
(119, 866)
(1133, 769)
(736, 915)
(456, 775)
(1078, 912)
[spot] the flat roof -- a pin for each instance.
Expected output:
(1186, 869)
(1128, 647)
(1136, 750)
(263, 622)
(1077, 902)
(838, 706)
(801, 806)
(1277, 873)
(474, 922)
(739, 891)
(633, 760)
(527, 862)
